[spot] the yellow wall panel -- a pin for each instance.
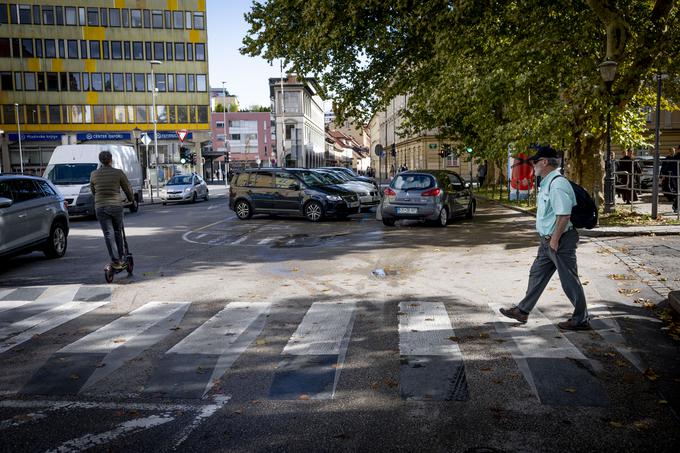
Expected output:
(119, 3)
(90, 66)
(57, 64)
(194, 36)
(94, 33)
(93, 98)
(172, 5)
(33, 64)
(107, 127)
(201, 5)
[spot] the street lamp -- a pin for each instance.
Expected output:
(608, 73)
(21, 154)
(224, 118)
(155, 125)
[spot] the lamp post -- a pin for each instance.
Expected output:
(136, 133)
(155, 125)
(224, 117)
(655, 180)
(21, 154)
(608, 73)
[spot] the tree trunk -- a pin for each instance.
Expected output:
(585, 163)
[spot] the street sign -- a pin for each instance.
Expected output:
(378, 150)
(432, 146)
(182, 135)
(145, 139)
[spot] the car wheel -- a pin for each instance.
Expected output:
(243, 210)
(313, 211)
(470, 213)
(57, 242)
(443, 219)
(134, 207)
(388, 222)
(193, 197)
(207, 196)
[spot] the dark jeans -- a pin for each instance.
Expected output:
(111, 221)
(564, 262)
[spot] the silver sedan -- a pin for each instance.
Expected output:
(182, 188)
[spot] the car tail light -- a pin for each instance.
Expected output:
(432, 192)
(389, 192)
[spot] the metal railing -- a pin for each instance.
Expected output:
(632, 182)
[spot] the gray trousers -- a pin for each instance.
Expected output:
(111, 221)
(564, 262)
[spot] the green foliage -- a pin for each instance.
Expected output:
(219, 108)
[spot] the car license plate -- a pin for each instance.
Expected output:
(407, 210)
(354, 204)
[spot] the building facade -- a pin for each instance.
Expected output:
(299, 121)
(74, 72)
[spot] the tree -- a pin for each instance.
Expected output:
(487, 73)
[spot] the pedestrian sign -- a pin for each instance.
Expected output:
(145, 139)
(182, 135)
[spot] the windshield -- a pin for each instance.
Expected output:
(66, 174)
(310, 178)
(179, 181)
(330, 178)
(341, 175)
(409, 182)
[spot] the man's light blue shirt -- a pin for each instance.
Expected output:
(558, 200)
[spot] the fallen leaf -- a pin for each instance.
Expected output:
(429, 319)
(391, 383)
(119, 413)
(622, 363)
(303, 397)
(341, 436)
(119, 340)
(651, 375)
(629, 291)
(570, 390)
(295, 269)
(486, 369)
(400, 313)
(74, 377)
(456, 339)
(260, 342)
(621, 277)
(616, 424)
(200, 370)
(642, 424)
(484, 335)
(663, 402)
(375, 385)
(174, 328)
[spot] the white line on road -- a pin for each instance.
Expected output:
(425, 329)
(265, 241)
(22, 331)
(203, 414)
(239, 240)
(55, 405)
(93, 440)
(322, 329)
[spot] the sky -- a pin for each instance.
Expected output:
(245, 77)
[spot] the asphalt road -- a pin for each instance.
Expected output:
(279, 334)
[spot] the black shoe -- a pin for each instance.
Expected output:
(568, 325)
(516, 314)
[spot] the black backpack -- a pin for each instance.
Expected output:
(584, 213)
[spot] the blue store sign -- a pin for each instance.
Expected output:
(110, 136)
(36, 137)
(170, 136)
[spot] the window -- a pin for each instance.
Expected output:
(55, 114)
(199, 21)
(87, 113)
(191, 82)
(83, 49)
(200, 52)
(50, 48)
(178, 19)
(202, 113)
(128, 82)
(181, 82)
(158, 51)
(98, 114)
(36, 14)
(140, 84)
(18, 81)
(172, 113)
(16, 48)
(147, 18)
(103, 15)
(168, 19)
(219, 125)
(30, 82)
(72, 46)
(160, 82)
(105, 50)
(236, 137)
(6, 81)
(25, 14)
(92, 17)
(74, 81)
(126, 50)
(94, 50)
(137, 50)
(5, 49)
(63, 81)
(76, 113)
(171, 82)
(108, 86)
(190, 52)
(71, 15)
(157, 19)
(147, 50)
(182, 114)
(136, 18)
(141, 114)
(161, 114)
(192, 113)
(131, 114)
(119, 114)
(38, 48)
(125, 17)
(168, 51)
(46, 188)
(4, 19)
(24, 190)
(27, 48)
(48, 15)
(60, 15)
(86, 82)
(97, 82)
(52, 81)
(62, 48)
(118, 82)
(285, 180)
(179, 51)
(264, 179)
(114, 17)
(81, 16)
(188, 19)
(116, 50)
(201, 83)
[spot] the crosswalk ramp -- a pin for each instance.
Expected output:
(309, 365)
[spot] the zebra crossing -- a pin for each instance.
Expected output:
(431, 362)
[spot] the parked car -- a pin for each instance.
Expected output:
(182, 188)
(33, 216)
(368, 195)
(431, 195)
(290, 191)
(351, 173)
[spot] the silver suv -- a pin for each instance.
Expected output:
(33, 216)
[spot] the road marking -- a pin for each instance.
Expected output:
(202, 235)
(131, 426)
(22, 331)
(4, 292)
(81, 364)
(57, 405)
(432, 366)
(12, 304)
(265, 241)
(318, 349)
(26, 293)
(204, 413)
(543, 354)
(239, 240)
(184, 371)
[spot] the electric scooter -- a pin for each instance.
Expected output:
(128, 262)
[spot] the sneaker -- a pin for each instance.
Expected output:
(568, 325)
(516, 314)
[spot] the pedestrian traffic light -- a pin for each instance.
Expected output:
(184, 154)
(227, 157)
(394, 150)
(469, 150)
(192, 159)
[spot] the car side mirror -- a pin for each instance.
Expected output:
(5, 202)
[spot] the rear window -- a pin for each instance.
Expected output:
(412, 181)
(242, 179)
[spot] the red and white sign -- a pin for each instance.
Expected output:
(182, 135)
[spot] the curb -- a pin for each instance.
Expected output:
(666, 230)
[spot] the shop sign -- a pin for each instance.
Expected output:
(40, 137)
(108, 136)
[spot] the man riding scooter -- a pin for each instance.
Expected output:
(105, 184)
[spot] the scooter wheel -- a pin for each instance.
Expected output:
(130, 265)
(108, 274)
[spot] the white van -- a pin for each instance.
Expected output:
(70, 168)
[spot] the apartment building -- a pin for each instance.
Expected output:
(81, 72)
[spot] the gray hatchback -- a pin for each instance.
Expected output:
(33, 216)
(432, 195)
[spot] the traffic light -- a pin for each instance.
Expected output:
(394, 150)
(469, 150)
(446, 150)
(227, 157)
(184, 154)
(192, 159)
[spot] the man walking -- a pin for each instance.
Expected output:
(481, 172)
(559, 240)
(106, 183)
